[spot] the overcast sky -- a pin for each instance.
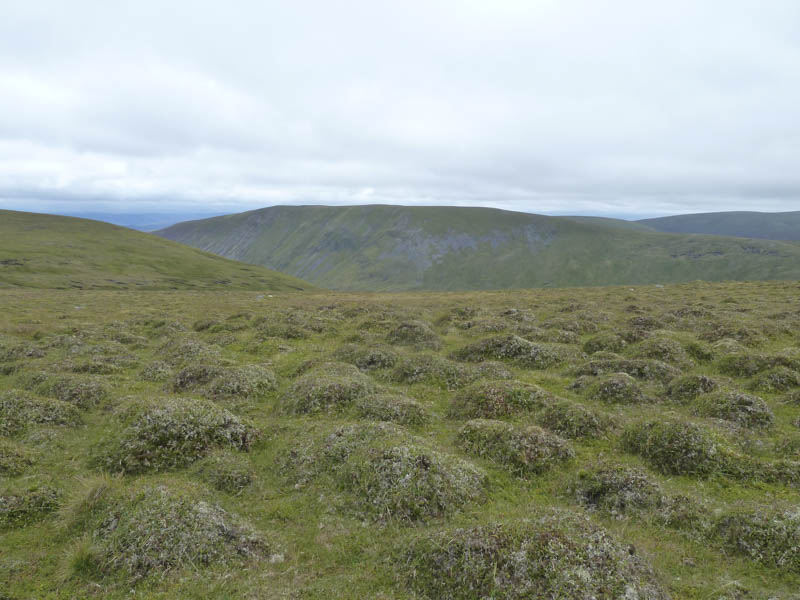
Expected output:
(628, 108)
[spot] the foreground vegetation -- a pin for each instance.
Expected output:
(633, 442)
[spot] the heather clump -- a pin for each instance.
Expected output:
(523, 450)
(731, 405)
(152, 529)
(367, 357)
(396, 408)
(493, 399)
(777, 379)
(81, 391)
(616, 489)
(764, 536)
(557, 555)
(513, 348)
(675, 447)
(573, 420)
(616, 388)
(664, 349)
(389, 474)
(414, 333)
(20, 409)
(163, 434)
(432, 369)
(609, 342)
(689, 387)
(641, 368)
(327, 387)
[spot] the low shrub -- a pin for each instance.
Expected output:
(742, 365)
(367, 358)
(247, 381)
(155, 529)
(327, 387)
(524, 450)
(664, 349)
(609, 342)
(22, 505)
(513, 348)
(82, 391)
(763, 536)
(389, 474)
(492, 399)
(573, 420)
(392, 407)
(432, 369)
(170, 433)
(615, 488)
(641, 368)
(157, 371)
(225, 471)
(555, 556)
(414, 333)
(737, 407)
(195, 376)
(616, 388)
(675, 447)
(19, 409)
(181, 351)
(689, 387)
(778, 379)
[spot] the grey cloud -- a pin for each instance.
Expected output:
(562, 107)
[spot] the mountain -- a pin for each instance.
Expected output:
(770, 226)
(390, 248)
(48, 251)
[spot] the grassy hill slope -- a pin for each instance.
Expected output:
(771, 226)
(447, 248)
(48, 251)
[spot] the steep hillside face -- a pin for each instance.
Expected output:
(451, 248)
(771, 226)
(48, 251)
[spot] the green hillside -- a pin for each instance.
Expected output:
(48, 251)
(447, 248)
(770, 226)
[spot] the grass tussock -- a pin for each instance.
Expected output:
(493, 399)
(327, 387)
(170, 433)
(523, 450)
(20, 409)
(512, 348)
(555, 556)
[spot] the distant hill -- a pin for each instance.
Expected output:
(380, 247)
(48, 251)
(770, 226)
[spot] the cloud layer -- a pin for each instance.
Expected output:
(554, 106)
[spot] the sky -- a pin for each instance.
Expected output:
(623, 108)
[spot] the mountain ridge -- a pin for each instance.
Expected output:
(397, 248)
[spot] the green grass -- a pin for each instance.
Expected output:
(333, 503)
(393, 248)
(48, 251)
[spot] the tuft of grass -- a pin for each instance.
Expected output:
(523, 450)
(14, 458)
(615, 489)
(689, 387)
(764, 536)
(367, 358)
(777, 379)
(82, 391)
(414, 333)
(641, 368)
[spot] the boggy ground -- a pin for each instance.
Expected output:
(606, 442)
